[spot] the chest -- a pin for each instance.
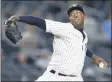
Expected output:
(75, 36)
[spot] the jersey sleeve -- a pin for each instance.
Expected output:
(54, 27)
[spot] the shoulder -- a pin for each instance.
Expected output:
(57, 23)
(52, 21)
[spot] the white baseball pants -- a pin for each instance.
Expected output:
(48, 76)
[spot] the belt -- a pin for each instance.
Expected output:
(60, 74)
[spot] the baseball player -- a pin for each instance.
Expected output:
(69, 45)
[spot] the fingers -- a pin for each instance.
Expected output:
(12, 18)
(105, 64)
(99, 60)
(7, 22)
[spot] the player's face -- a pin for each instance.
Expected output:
(77, 18)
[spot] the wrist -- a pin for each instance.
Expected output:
(94, 56)
(17, 18)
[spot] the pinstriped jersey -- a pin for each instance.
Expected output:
(69, 48)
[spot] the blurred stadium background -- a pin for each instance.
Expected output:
(27, 60)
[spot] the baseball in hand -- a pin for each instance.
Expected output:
(101, 65)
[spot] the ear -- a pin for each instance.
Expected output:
(69, 18)
(85, 17)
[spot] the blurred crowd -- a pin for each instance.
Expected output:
(29, 58)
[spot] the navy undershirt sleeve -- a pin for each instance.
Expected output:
(33, 21)
(89, 53)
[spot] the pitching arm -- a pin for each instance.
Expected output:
(90, 54)
(97, 60)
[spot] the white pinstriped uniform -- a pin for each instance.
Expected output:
(69, 52)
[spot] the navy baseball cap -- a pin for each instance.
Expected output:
(75, 7)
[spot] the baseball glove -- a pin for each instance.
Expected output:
(12, 31)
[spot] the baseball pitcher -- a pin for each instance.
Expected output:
(69, 44)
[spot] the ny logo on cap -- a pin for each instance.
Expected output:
(75, 5)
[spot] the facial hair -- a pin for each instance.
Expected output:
(77, 24)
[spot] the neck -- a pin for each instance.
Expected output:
(79, 27)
